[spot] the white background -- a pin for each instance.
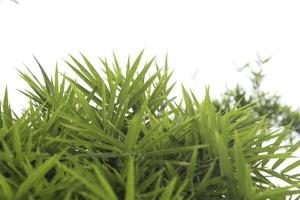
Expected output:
(214, 37)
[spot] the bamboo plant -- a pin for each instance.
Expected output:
(116, 133)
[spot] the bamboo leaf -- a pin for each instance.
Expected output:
(130, 184)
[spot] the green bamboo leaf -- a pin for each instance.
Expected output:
(87, 182)
(150, 180)
(226, 166)
(56, 80)
(81, 70)
(7, 190)
(167, 194)
(7, 112)
(281, 193)
(291, 167)
(47, 81)
(142, 74)
(172, 173)
(134, 130)
(243, 173)
(278, 142)
(130, 183)
(175, 150)
(192, 167)
(106, 186)
(36, 176)
(17, 141)
(205, 180)
(1, 116)
(289, 151)
(92, 69)
(129, 78)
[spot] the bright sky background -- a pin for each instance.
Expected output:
(212, 36)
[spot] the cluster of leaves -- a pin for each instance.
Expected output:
(266, 104)
(118, 135)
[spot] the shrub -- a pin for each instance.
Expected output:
(266, 104)
(120, 136)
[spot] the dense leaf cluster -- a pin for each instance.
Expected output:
(118, 135)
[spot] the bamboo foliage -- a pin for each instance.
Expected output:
(122, 136)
